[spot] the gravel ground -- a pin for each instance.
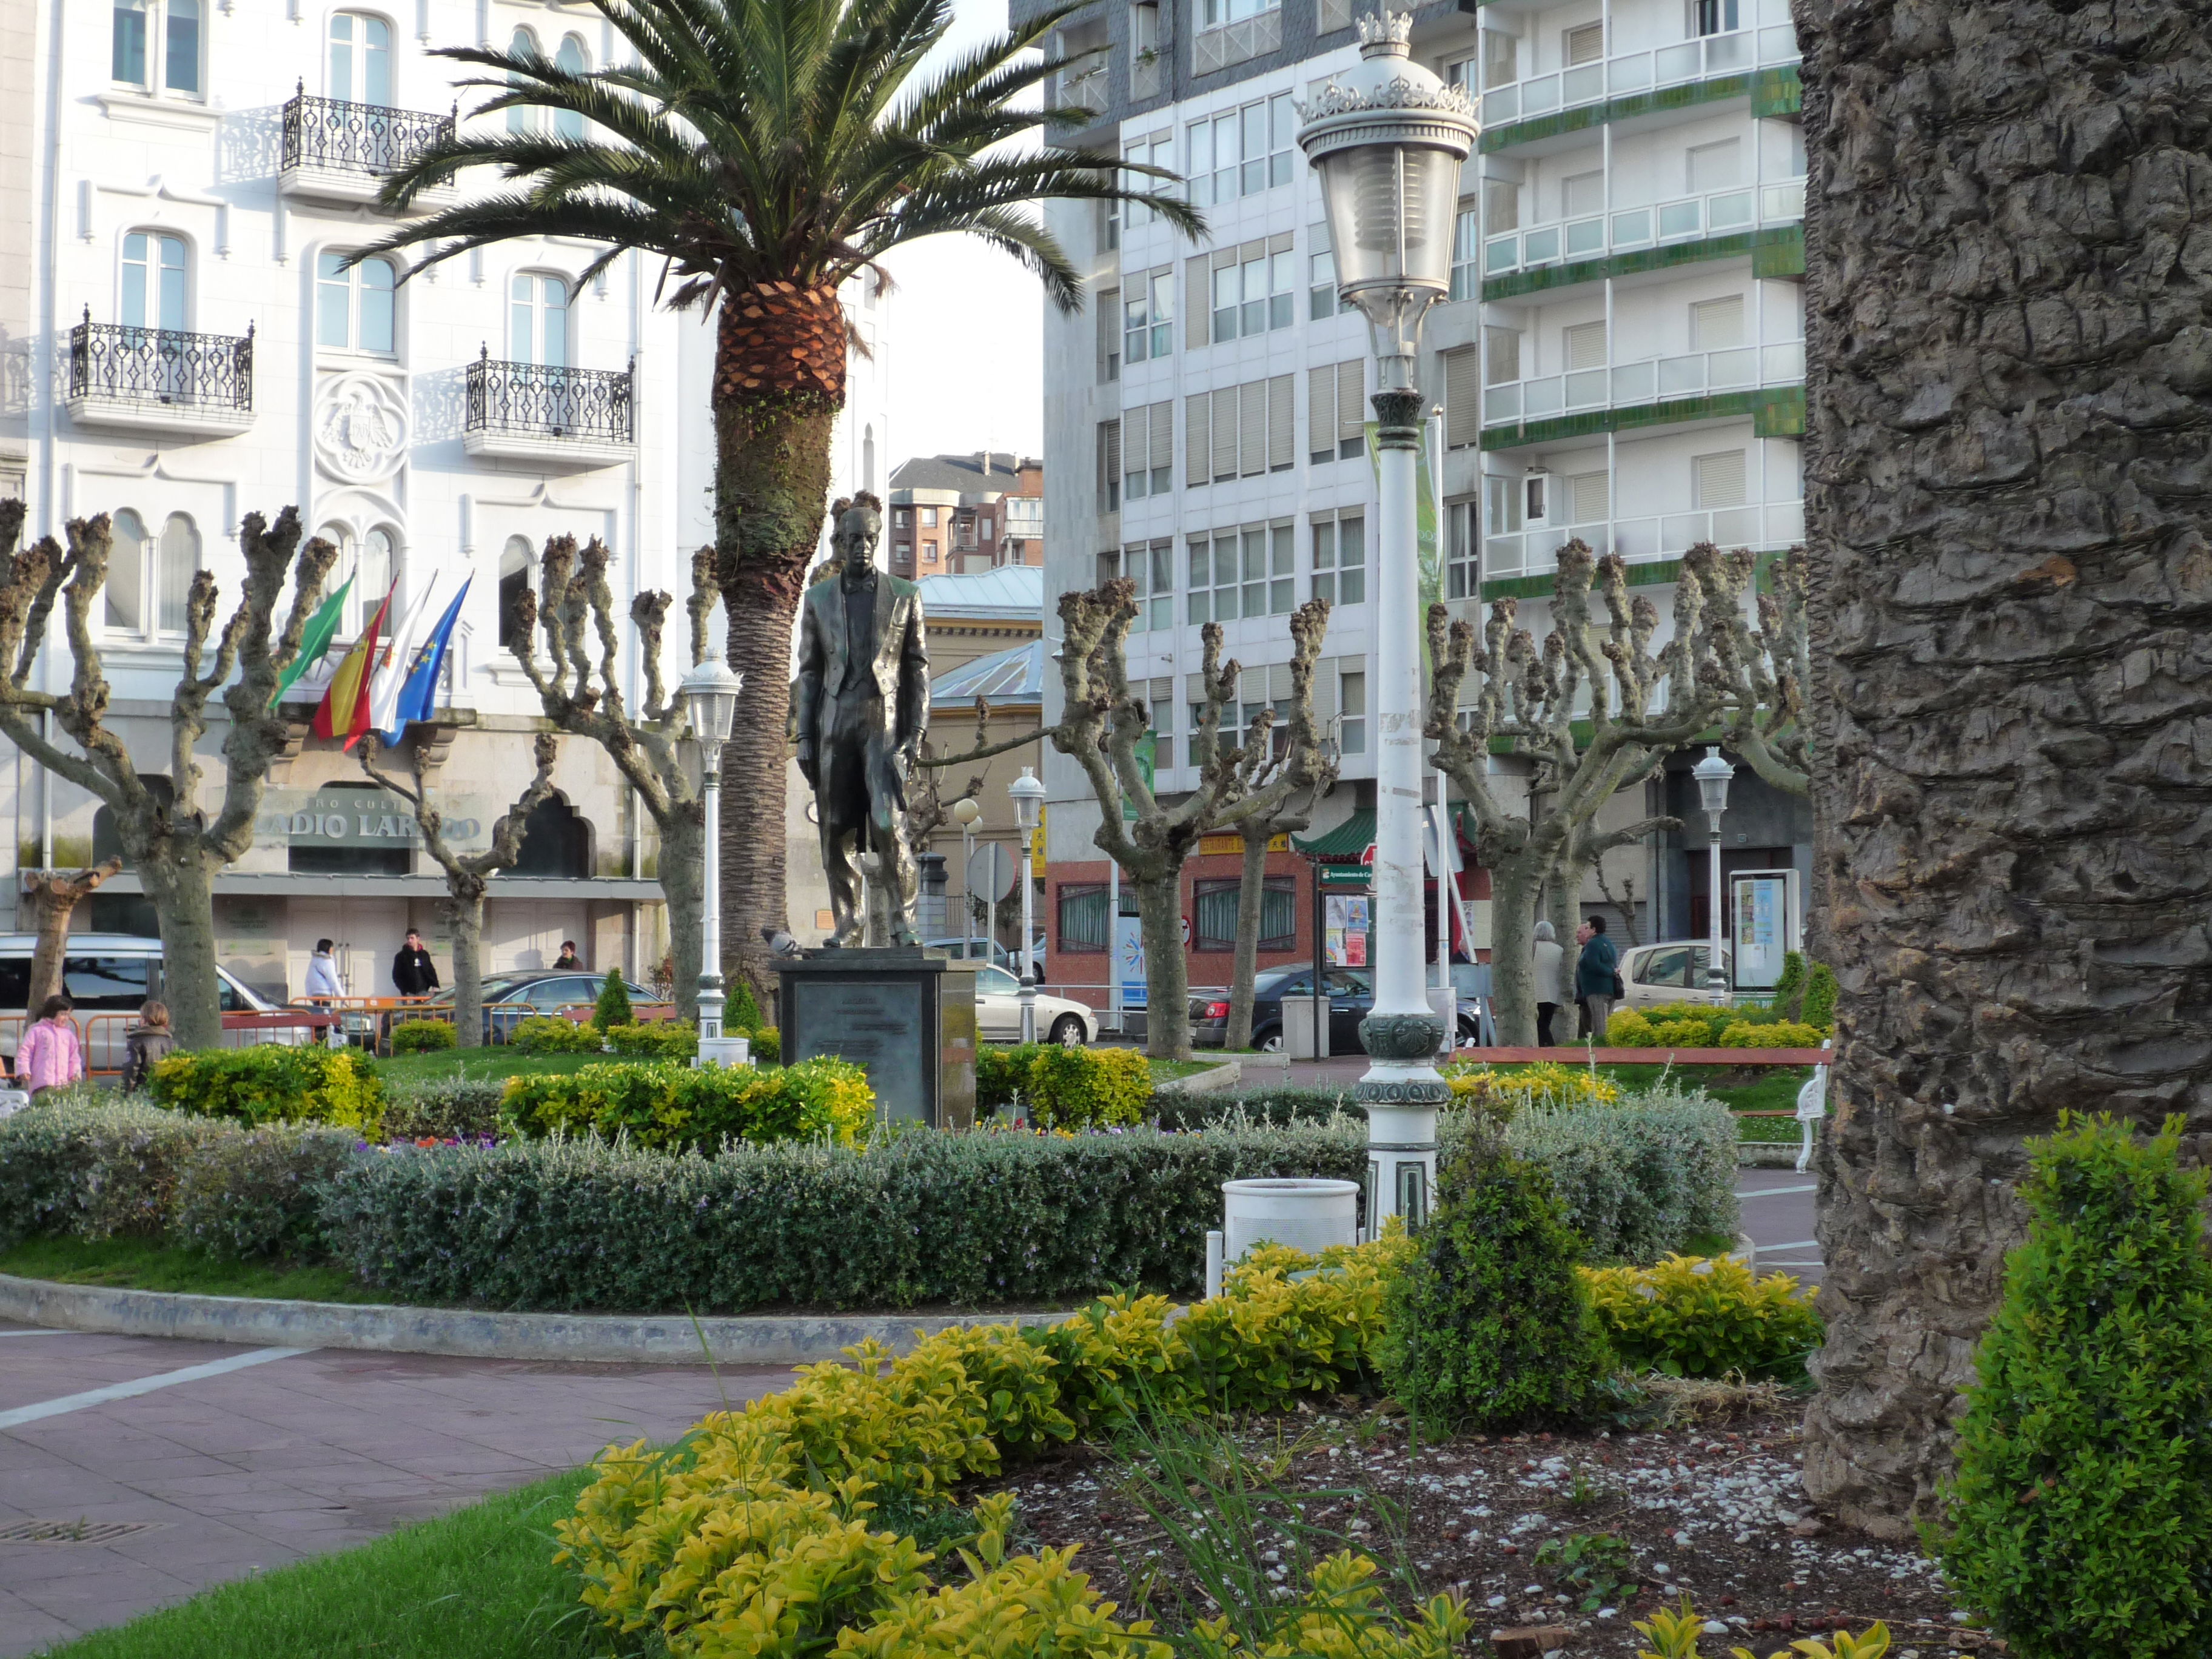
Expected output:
(1715, 1511)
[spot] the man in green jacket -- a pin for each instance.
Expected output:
(1595, 975)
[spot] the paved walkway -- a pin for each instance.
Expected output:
(237, 1460)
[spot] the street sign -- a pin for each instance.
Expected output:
(991, 871)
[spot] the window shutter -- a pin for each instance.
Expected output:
(1279, 681)
(1351, 413)
(1719, 479)
(1504, 345)
(1586, 497)
(1248, 251)
(1282, 424)
(1252, 427)
(1110, 465)
(1163, 448)
(1321, 411)
(1716, 324)
(1110, 331)
(1585, 44)
(1585, 345)
(1224, 433)
(1197, 439)
(1324, 690)
(1278, 243)
(1197, 301)
(1462, 398)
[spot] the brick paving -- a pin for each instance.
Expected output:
(249, 1470)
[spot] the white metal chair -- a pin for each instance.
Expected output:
(1811, 1108)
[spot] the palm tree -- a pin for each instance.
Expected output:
(769, 150)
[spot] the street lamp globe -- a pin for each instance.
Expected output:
(1713, 775)
(1028, 793)
(1388, 137)
(965, 812)
(710, 699)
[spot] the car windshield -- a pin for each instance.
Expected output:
(996, 979)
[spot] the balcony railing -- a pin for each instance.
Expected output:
(1640, 71)
(1083, 82)
(1644, 540)
(326, 135)
(532, 403)
(118, 366)
(1687, 219)
(1655, 379)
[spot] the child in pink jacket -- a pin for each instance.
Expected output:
(50, 1056)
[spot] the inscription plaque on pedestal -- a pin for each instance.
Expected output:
(899, 1015)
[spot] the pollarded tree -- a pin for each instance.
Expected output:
(1274, 806)
(582, 694)
(175, 841)
(766, 151)
(1102, 721)
(1768, 668)
(54, 896)
(467, 874)
(1640, 705)
(2008, 324)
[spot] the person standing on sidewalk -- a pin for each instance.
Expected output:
(1597, 978)
(50, 1056)
(1550, 961)
(413, 973)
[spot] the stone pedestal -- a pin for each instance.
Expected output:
(906, 1016)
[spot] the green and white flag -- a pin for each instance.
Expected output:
(322, 627)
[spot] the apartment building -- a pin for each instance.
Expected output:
(953, 515)
(1620, 359)
(194, 348)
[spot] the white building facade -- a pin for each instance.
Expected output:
(1620, 359)
(192, 351)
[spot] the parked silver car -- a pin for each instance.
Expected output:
(106, 976)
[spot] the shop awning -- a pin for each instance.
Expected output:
(1349, 840)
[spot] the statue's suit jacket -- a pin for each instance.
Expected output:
(900, 663)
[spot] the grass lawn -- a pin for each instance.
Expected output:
(500, 1061)
(139, 1264)
(478, 1583)
(1165, 1070)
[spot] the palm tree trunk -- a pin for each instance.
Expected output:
(2008, 422)
(779, 383)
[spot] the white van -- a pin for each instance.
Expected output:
(103, 974)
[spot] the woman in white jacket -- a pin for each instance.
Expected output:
(323, 981)
(1550, 963)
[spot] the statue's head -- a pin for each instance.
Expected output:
(860, 527)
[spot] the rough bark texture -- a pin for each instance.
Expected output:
(466, 875)
(175, 844)
(1768, 668)
(2010, 454)
(1102, 721)
(771, 487)
(582, 694)
(54, 897)
(1642, 705)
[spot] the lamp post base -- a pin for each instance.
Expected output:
(1402, 1091)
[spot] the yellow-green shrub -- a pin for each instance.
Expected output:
(665, 1105)
(1498, 1094)
(422, 1036)
(548, 1034)
(270, 1083)
(664, 1039)
(1344, 1616)
(767, 1046)
(1787, 1033)
(1704, 1317)
(1065, 1088)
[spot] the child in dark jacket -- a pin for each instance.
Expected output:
(149, 1041)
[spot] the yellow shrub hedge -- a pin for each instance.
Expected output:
(750, 1537)
(1704, 1317)
(1787, 1033)
(1501, 1093)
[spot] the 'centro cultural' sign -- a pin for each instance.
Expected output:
(361, 818)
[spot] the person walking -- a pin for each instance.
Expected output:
(50, 1056)
(413, 973)
(149, 1042)
(568, 959)
(1550, 961)
(323, 981)
(1597, 978)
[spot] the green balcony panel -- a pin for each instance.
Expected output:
(1782, 248)
(1775, 412)
(1771, 91)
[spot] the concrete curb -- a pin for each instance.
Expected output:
(1227, 1075)
(1767, 1154)
(639, 1339)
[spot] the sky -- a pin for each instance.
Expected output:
(967, 339)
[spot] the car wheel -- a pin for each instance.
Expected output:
(1269, 1042)
(1067, 1031)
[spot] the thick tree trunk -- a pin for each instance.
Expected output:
(683, 884)
(1251, 891)
(464, 911)
(1167, 975)
(2011, 406)
(54, 898)
(1512, 942)
(178, 881)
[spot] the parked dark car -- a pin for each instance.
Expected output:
(510, 999)
(1351, 993)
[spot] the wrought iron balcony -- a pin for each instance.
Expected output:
(343, 151)
(529, 411)
(161, 379)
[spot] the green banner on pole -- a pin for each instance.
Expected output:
(1427, 542)
(1147, 749)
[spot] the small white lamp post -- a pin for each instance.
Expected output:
(1388, 137)
(710, 703)
(1028, 791)
(965, 812)
(1713, 776)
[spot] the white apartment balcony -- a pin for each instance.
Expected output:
(1705, 59)
(160, 380)
(335, 151)
(535, 412)
(1659, 224)
(1654, 380)
(1646, 540)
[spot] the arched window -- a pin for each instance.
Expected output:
(538, 319)
(523, 45)
(355, 309)
(176, 562)
(369, 560)
(361, 58)
(555, 842)
(868, 458)
(155, 292)
(568, 124)
(127, 573)
(514, 561)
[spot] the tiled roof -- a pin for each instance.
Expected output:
(961, 472)
(1011, 591)
(1015, 676)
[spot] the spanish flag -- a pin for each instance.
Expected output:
(343, 711)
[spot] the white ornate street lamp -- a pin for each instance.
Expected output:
(965, 812)
(710, 703)
(1713, 776)
(1387, 138)
(1028, 791)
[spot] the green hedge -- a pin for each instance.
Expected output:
(458, 1107)
(268, 1084)
(258, 1193)
(87, 1165)
(1253, 1106)
(423, 1036)
(666, 1040)
(548, 1034)
(1065, 1088)
(665, 1105)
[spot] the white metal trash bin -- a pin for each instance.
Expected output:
(1299, 1027)
(1308, 1215)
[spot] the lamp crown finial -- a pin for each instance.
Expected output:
(1382, 35)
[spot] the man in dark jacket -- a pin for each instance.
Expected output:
(1594, 972)
(413, 973)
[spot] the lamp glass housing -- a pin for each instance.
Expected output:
(710, 700)
(1713, 776)
(1028, 793)
(965, 810)
(1390, 208)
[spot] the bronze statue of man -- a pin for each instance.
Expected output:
(863, 707)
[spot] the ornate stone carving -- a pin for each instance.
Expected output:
(1402, 1036)
(361, 427)
(1422, 1092)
